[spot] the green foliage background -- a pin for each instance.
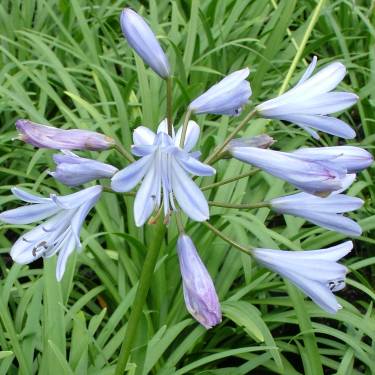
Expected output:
(67, 64)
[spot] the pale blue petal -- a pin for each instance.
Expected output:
(188, 195)
(129, 177)
(191, 138)
(196, 167)
(64, 253)
(309, 71)
(28, 197)
(143, 136)
(148, 196)
(29, 214)
(325, 124)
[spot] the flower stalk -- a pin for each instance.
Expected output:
(184, 128)
(170, 106)
(141, 295)
(216, 155)
(240, 206)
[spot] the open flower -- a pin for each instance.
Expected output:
(227, 97)
(72, 170)
(311, 100)
(325, 212)
(353, 159)
(142, 39)
(315, 272)
(200, 295)
(59, 234)
(164, 168)
(314, 175)
(44, 136)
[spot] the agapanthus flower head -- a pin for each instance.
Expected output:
(199, 291)
(140, 36)
(325, 212)
(311, 100)
(227, 97)
(353, 159)
(59, 234)
(44, 136)
(313, 175)
(315, 272)
(164, 168)
(73, 170)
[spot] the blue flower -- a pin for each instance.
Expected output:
(315, 272)
(164, 168)
(59, 234)
(311, 100)
(325, 212)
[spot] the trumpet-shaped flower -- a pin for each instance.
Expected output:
(227, 97)
(44, 136)
(164, 168)
(200, 295)
(59, 234)
(142, 39)
(311, 100)
(313, 175)
(315, 272)
(72, 170)
(325, 212)
(353, 159)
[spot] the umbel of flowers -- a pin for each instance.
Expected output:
(164, 162)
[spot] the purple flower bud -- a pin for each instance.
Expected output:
(73, 170)
(142, 39)
(44, 136)
(199, 291)
(227, 97)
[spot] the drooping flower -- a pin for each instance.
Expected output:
(311, 100)
(59, 234)
(325, 212)
(164, 168)
(44, 136)
(313, 175)
(315, 272)
(353, 159)
(200, 295)
(227, 97)
(141, 38)
(72, 170)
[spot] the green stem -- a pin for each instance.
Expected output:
(216, 154)
(227, 239)
(301, 47)
(229, 180)
(170, 106)
(126, 154)
(239, 206)
(140, 297)
(184, 128)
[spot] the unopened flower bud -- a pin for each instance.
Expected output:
(142, 39)
(44, 136)
(199, 291)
